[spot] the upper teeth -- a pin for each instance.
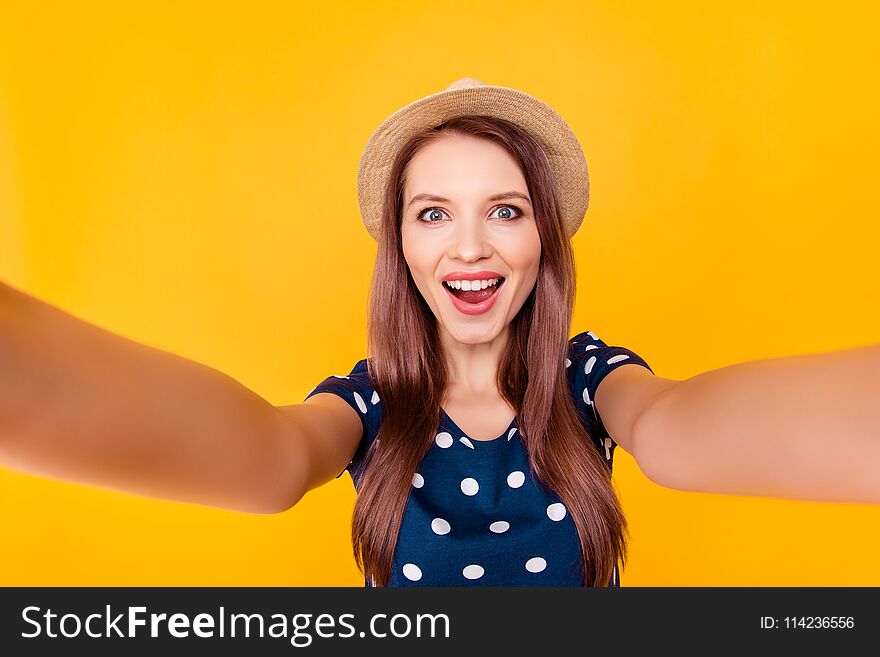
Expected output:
(472, 285)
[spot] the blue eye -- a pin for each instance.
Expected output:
(428, 221)
(518, 212)
(509, 207)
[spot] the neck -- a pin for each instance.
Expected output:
(472, 367)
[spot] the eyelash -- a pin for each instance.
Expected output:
(519, 213)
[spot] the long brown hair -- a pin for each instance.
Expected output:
(409, 369)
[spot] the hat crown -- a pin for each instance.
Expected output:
(465, 83)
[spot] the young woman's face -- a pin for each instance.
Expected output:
(462, 230)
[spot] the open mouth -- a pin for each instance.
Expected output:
(474, 292)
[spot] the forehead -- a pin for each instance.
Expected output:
(462, 165)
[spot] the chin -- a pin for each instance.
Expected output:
(476, 334)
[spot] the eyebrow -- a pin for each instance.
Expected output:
(494, 197)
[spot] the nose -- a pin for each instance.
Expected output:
(469, 240)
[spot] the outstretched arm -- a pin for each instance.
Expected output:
(799, 427)
(80, 403)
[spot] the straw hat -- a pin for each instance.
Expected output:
(470, 96)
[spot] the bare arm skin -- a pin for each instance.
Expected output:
(82, 404)
(799, 427)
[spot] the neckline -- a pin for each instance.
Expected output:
(476, 441)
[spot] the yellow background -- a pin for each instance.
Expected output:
(184, 174)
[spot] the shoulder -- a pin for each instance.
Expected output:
(358, 385)
(590, 361)
(358, 389)
(609, 394)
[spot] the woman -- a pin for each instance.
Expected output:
(480, 439)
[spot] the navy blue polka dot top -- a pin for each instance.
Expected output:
(475, 515)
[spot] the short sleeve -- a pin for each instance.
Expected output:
(589, 361)
(358, 390)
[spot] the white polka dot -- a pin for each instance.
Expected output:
(499, 527)
(567, 362)
(592, 335)
(440, 526)
(516, 479)
(535, 565)
(469, 486)
(360, 402)
(591, 346)
(444, 439)
(617, 359)
(588, 367)
(340, 377)
(473, 571)
(510, 433)
(556, 511)
(418, 480)
(587, 397)
(466, 442)
(375, 399)
(412, 572)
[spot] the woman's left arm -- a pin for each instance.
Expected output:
(798, 427)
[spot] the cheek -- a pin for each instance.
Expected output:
(527, 261)
(412, 254)
(420, 262)
(525, 254)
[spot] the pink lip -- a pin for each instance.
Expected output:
(474, 308)
(471, 276)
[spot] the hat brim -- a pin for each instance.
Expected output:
(563, 150)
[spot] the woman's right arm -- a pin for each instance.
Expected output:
(79, 403)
